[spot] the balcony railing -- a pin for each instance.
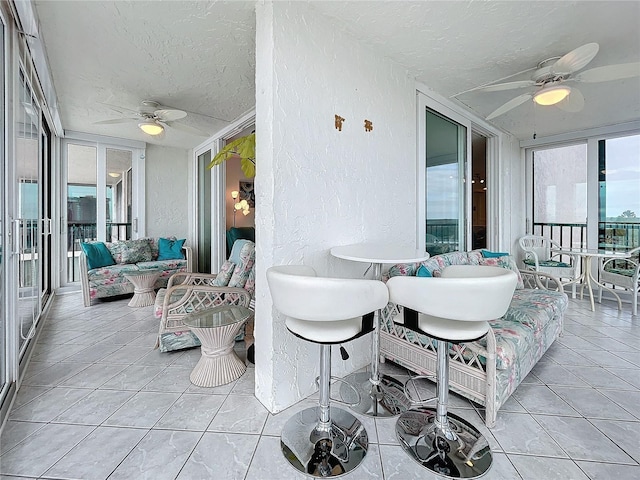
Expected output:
(611, 235)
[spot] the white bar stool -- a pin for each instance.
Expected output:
(453, 308)
(324, 441)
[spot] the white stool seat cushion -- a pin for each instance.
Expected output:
(451, 330)
(323, 309)
(325, 332)
(457, 305)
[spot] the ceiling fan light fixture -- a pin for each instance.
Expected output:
(151, 127)
(551, 95)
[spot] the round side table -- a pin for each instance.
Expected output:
(217, 328)
(143, 282)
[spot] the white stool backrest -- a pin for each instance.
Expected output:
(297, 292)
(473, 293)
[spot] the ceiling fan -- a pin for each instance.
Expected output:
(153, 118)
(548, 83)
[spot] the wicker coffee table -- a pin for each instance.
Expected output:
(217, 328)
(143, 283)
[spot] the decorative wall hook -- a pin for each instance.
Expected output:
(338, 123)
(368, 125)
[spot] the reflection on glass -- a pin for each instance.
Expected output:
(444, 182)
(118, 193)
(204, 213)
(27, 143)
(560, 194)
(619, 189)
(81, 203)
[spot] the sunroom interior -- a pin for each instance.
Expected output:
(414, 160)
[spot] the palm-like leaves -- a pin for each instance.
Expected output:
(243, 147)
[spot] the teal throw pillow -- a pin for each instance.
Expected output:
(489, 254)
(98, 255)
(170, 249)
(423, 272)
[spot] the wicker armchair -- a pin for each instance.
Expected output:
(189, 292)
(539, 258)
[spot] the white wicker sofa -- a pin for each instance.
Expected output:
(488, 370)
(128, 256)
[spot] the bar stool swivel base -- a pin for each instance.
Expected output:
(455, 450)
(324, 453)
(387, 399)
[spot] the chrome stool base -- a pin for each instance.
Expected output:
(459, 451)
(386, 399)
(324, 454)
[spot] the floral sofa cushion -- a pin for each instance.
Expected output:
(110, 281)
(437, 263)
(519, 339)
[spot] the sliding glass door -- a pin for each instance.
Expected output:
(445, 173)
(619, 192)
(101, 196)
(30, 200)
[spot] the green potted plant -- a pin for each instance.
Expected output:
(243, 147)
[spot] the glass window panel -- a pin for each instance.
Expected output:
(118, 194)
(81, 202)
(204, 213)
(560, 194)
(3, 334)
(619, 189)
(27, 173)
(444, 184)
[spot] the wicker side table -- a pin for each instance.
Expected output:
(143, 283)
(217, 328)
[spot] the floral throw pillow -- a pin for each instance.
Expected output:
(131, 251)
(506, 262)
(222, 279)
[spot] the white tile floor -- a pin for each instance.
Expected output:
(99, 402)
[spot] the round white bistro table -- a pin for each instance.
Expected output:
(380, 395)
(143, 282)
(586, 276)
(217, 328)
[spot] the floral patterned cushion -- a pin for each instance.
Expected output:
(131, 251)
(242, 270)
(546, 263)
(505, 262)
(224, 275)
(250, 286)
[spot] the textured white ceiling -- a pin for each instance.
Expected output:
(200, 56)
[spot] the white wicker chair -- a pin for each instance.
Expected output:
(539, 258)
(626, 276)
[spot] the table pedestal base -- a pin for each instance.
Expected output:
(142, 297)
(386, 399)
(219, 364)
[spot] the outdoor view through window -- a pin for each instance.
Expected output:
(561, 191)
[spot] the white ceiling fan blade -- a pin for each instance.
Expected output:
(572, 103)
(507, 86)
(119, 109)
(575, 59)
(116, 120)
(187, 129)
(511, 104)
(609, 72)
(169, 115)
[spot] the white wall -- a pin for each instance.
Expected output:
(318, 187)
(166, 190)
